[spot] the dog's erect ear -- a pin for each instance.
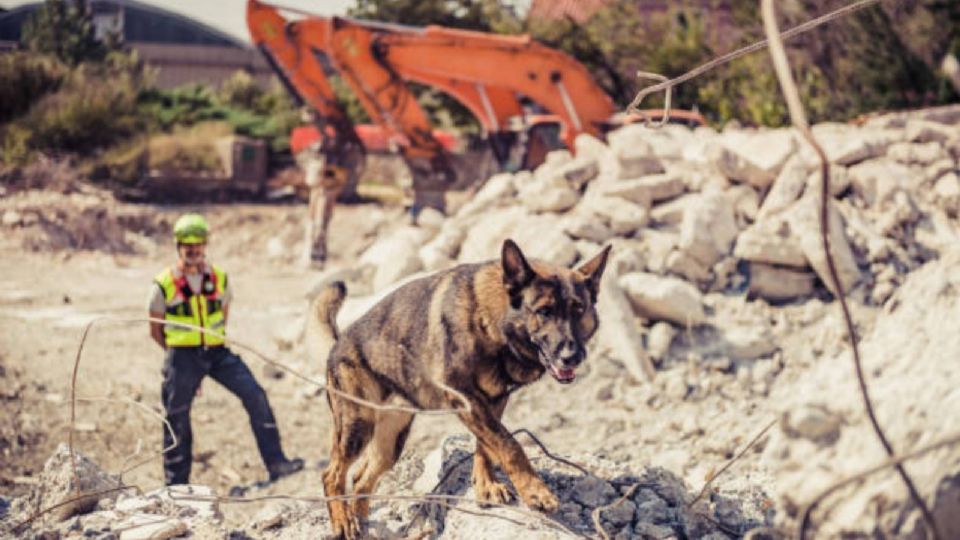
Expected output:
(517, 272)
(593, 269)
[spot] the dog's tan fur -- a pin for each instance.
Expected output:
(482, 330)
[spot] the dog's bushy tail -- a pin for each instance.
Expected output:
(324, 320)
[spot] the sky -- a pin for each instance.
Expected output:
(228, 16)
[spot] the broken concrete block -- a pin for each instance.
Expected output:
(786, 188)
(847, 145)
(150, 527)
(647, 189)
(770, 241)
(754, 157)
(687, 266)
(805, 224)
(664, 298)
(396, 256)
(779, 284)
(876, 181)
(748, 342)
(671, 212)
(924, 131)
(709, 228)
(586, 227)
(619, 334)
(916, 153)
(579, 171)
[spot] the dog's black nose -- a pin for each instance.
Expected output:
(570, 354)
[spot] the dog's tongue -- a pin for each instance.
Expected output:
(564, 375)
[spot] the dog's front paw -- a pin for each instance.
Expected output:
(539, 497)
(491, 491)
(346, 527)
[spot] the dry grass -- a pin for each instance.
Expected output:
(188, 149)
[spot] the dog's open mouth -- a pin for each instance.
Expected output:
(563, 375)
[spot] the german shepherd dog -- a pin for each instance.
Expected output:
(462, 338)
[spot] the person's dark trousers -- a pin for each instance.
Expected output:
(183, 370)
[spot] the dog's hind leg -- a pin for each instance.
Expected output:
(389, 437)
(486, 487)
(353, 429)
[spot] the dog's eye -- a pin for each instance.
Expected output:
(545, 311)
(578, 309)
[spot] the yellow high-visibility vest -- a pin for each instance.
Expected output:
(204, 309)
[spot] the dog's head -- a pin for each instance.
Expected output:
(552, 310)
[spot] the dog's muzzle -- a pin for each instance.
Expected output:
(564, 367)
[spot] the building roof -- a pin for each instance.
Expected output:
(143, 23)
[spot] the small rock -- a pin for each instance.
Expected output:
(646, 189)
(771, 241)
(620, 515)
(269, 516)
(137, 504)
(778, 284)
(748, 342)
(11, 218)
(812, 421)
(592, 492)
(586, 227)
(659, 340)
(150, 527)
(672, 211)
(922, 131)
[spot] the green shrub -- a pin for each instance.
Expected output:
(90, 112)
(27, 77)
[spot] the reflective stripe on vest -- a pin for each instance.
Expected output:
(182, 305)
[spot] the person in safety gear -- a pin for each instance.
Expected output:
(192, 291)
(324, 180)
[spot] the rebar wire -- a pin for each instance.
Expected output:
(891, 462)
(262, 356)
(730, 463)
(729, 57)
(799, 119)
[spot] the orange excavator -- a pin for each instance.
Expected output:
(491, 75)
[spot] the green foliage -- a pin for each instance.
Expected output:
(245, 106)
(482, 15)
(63, 29)
(26, 77)
(95, 107)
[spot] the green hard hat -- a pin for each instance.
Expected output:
(191, 229)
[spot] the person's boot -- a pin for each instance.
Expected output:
(285, 467)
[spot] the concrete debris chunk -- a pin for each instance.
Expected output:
(664, 298)
(805, 223)
(150, 527)
(646, 189)
(709, 228)
(779, 284)
(753, 157)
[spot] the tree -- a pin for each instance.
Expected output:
(63, 29)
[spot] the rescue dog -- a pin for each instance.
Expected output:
(461, 338)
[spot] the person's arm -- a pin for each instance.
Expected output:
(156, 331)
(156, 307)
